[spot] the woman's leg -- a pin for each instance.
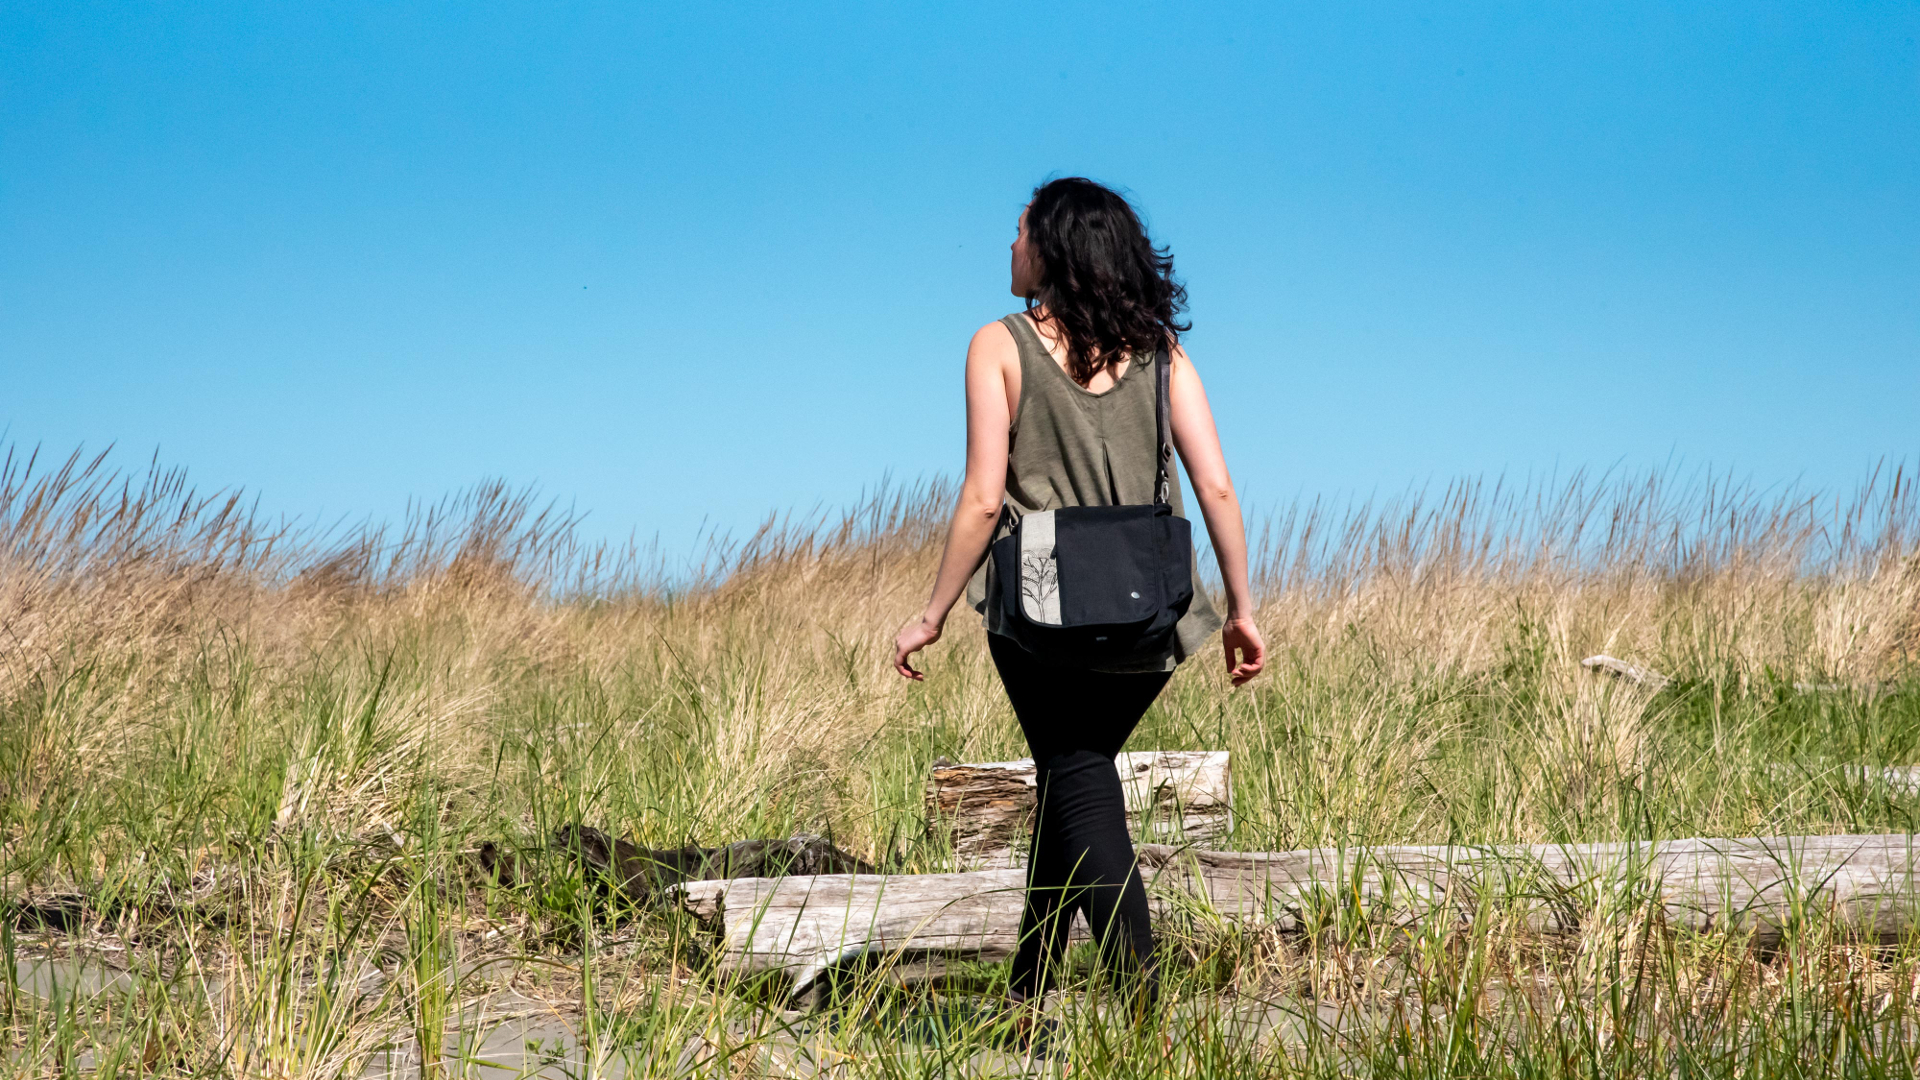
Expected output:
(1082, 856)
(1046, 916)
(1085, 837)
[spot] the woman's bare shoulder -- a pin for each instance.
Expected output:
(994, 334)
(993, 343)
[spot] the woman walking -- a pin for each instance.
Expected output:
(1061, 412)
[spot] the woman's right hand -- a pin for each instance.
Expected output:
(1241, 636)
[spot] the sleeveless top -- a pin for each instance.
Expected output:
(1069, 446)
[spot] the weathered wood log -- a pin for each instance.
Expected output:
(987, 807)
(1603, 664)
(1620, 669)
(641, 874)
(804, 926)
(1896, 779)
(1866, 884)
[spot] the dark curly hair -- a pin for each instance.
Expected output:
(1102, 281)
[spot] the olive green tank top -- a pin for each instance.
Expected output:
(1069, 446)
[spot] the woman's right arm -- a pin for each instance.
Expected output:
(1198, 441)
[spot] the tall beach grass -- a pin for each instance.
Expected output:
(247, 763)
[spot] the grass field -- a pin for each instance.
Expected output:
(244, 769)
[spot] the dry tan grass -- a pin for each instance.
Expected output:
(776, 645)
(240, 716)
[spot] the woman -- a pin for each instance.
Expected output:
(1060, 412)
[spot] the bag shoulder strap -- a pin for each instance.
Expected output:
(1163, 418)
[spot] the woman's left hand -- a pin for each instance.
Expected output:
(919, 633)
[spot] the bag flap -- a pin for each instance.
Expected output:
(1106, 563)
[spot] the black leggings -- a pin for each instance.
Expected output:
(1075, 721)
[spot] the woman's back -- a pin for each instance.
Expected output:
(1071, 446)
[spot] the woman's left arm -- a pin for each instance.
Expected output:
(978, 508)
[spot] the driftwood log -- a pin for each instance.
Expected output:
(1896, 779)
(1176, 796)
(1603, 664)
(640, 875)
(804, 926)
(1620, 669)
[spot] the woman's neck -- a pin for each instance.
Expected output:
(1051, 332)
(1053, 337)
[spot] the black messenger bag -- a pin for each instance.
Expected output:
(1087, 586)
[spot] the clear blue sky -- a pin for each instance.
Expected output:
(685, 262)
